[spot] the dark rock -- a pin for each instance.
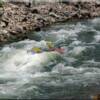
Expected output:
(28, 4)
(5, 22)
(24, 19)
(34, 11)
(65, 2)
(50, 10)
(37, 29)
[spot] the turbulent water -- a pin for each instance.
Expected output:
(49, 75)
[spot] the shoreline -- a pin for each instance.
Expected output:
(16, 20)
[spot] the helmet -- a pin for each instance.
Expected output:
(36, 50)
(50, 45)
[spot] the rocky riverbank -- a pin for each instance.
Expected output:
(17, 20)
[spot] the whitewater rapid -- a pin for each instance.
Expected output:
(49, 75)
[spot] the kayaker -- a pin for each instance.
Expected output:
(36, 50)
(50, 47)
(53, 48)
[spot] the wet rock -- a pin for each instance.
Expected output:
(37, 29)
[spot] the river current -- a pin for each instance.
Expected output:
(74, 74)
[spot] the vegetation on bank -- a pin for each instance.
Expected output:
(1, 3)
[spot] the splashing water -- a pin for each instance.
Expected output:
(50, 75)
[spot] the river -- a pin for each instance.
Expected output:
(74, 74)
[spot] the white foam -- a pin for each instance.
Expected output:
(70, 71)
(77, 50)
(95, 21)
(97, 38)
(23, 68)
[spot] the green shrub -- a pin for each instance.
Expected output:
(1, 3)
